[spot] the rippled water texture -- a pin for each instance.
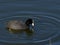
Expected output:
(45, 29)
(46, 14)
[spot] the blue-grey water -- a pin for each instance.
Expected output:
(46, 14)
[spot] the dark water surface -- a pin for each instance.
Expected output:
(46, 14)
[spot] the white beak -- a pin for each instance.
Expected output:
(33, 23)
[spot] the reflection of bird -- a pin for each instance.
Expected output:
(19, 25)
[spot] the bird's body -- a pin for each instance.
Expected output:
(17, 25)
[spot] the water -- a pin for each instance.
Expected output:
(47, 13)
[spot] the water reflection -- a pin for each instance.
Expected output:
(28, 32)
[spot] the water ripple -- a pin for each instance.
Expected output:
(47, 25)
